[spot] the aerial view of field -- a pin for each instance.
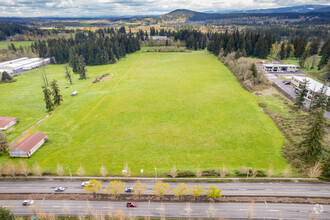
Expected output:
(156, 110)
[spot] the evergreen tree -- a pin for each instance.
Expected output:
(324, 75)
(282, 51)
(68, 74)
(81, 67)
(47, 98)
(319, 99)
(6, 77)
(5, 214)
(302, 93)
(57, 97)
(3, 142)
(312, 143)
(325, 56)
(314, 46)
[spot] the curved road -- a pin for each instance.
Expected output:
(283, 189)
(173, 210)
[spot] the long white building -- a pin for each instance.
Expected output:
(279, 67)
(17, 66)
(312, 85)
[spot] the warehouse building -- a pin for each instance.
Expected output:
(7, 122)
(17, 66)
(28, 146)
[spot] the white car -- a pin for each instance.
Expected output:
(59, 189)
(85, 183)
(28, 202)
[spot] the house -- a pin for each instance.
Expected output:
(6, 122)
(312, 85)
(28, 146)
(279, 67)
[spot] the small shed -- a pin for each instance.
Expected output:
(6, 122)
(28, 146)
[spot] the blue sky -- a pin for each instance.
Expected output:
(75, 8)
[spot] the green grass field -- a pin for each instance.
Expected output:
(157, 110)
(4, 44)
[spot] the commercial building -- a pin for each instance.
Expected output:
(312, 86)
(17, 66)
(6, 122)
(28, 146)
(279, 67)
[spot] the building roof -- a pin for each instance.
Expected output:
(313, 85)
(4, 121)
(278, 65)
(30, 142)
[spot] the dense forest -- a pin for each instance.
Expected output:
(100, 47)
(246, 44)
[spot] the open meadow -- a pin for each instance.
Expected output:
(154, 111)
(5, 44)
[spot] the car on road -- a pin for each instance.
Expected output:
(85, 183)
(129, 189)
(28, 202)
(59, 189)
(131, 204)
(287, 82)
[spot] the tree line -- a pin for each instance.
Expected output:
(96, 48)
(244, 44)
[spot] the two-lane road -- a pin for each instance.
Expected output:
(276, 189)
(174, 210)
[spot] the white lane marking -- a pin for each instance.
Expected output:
(273, 210)
(56, 206)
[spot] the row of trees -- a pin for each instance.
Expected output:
(248, 44)
(160, 189)
(94, 47)
(307, 53)
(52, 93)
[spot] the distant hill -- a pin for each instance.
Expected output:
(184, 15)
(294, 9)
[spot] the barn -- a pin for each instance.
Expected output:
(27, 147)
(6, 122)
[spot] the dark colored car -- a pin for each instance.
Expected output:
(131, 204)
(287, 82)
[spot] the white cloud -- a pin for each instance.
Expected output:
(70, 8)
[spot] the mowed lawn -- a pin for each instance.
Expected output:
(5, 44)
(157, 110)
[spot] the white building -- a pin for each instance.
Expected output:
(279, 67)
(312, 85)
(28, 146)
(17, 66)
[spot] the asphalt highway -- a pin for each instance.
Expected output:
(283, 189)
(173, 210)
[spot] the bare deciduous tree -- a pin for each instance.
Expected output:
(36, 170)
(174, 172)
(223, 171)
(103, 171)
(199, 172)
(81, 171)
(59, 170)
(23, 168)
(315, 171)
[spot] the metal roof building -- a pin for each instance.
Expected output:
(312, 85)
(28, 146)
(6, 122)
(20, 65)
